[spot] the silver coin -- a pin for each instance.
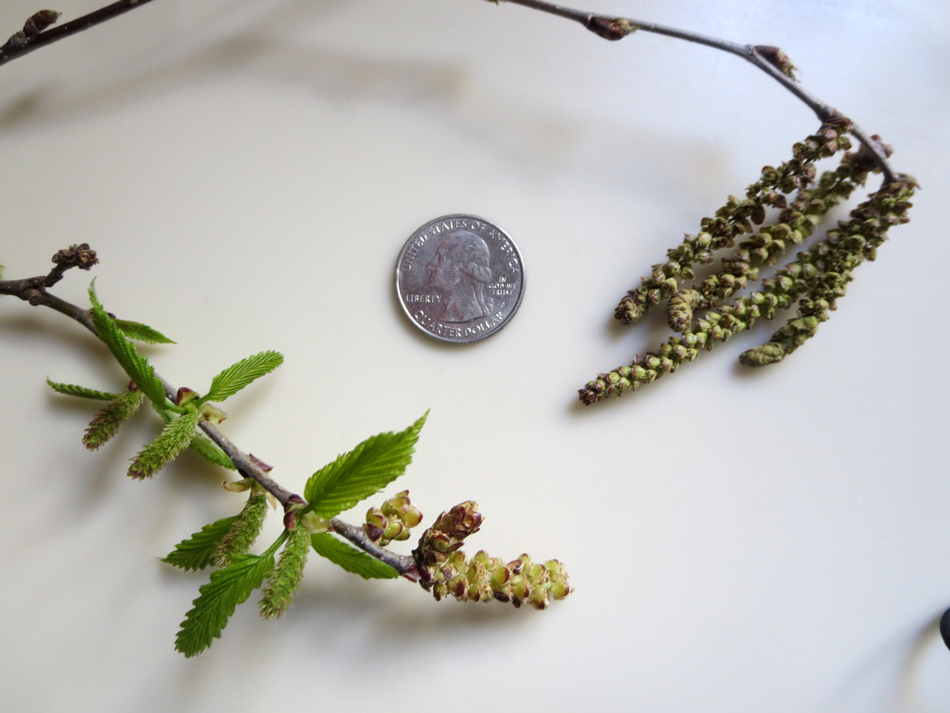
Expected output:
(460, 278)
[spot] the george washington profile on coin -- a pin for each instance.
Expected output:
(459, 271)
(459, 278)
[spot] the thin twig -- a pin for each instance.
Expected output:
(21, 44)
(404, 564)
(616, 28)
(33, 290)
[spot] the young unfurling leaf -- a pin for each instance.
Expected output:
(198, 551)
(134, 364)
(142, 332)
(239, 375)
(81, 391)
(218, 599)
(204, 447)
(286, 576)
(108, 421)
(350, 558)
(356, 475)
(173, 439)
(243, 531)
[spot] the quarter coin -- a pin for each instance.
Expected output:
(460, 278)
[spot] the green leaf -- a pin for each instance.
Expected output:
(142, 332)
(218, 599)
(173, 439)
(81, 391)
(350, 558)
(107, 422)
(203, 446)
(134, 364)
(356, 475)
(198, 551)
(239, 375)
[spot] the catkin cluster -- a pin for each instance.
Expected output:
(447, 571)
(393, 520)
(815, 278)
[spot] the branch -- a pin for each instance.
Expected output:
(404, 564)
(33, 290)
(770, 60)
(34, 34)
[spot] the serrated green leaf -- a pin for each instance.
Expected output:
(285, 579)
(356, 475)
(81, 391)
(204, 447)
(166, 446)
(134, 364)
(142, 332)
(244, 531)
(229, 587)
(198, 551)
(350, 558)
(239, 375)
(107, 422)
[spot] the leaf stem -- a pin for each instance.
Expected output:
(616, 28)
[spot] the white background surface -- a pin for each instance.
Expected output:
(248, 172)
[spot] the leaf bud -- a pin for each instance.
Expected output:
(211, 414)
(238, 486)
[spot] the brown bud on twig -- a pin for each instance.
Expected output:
(293, 504)
(610, 28)
(778, 59)
(185, 395)
(259, 463)
(80, 256)
(39, 22)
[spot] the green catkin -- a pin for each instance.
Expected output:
(679, 312)
(855, 241)
(843, 249)
(734, 219)
(795, 223)
(108, 421)
(285, 579)
(244, 531)
(164, 448)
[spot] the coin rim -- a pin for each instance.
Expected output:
(514, 309)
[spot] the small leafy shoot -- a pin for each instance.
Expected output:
(356, 475)
(198, 551)
(350, 558)
(239, 375)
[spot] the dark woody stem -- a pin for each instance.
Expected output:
(404, 564)
(616, 28)
(33, 290)
(611, 28)
(18, 46)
